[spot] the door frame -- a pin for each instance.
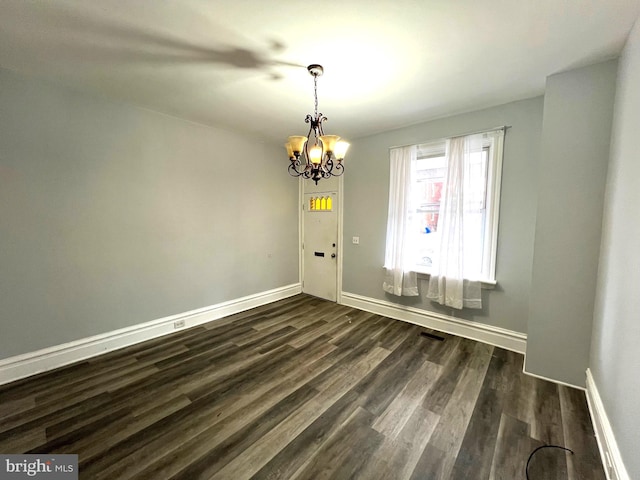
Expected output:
(301, 203)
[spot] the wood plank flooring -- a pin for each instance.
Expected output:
(302, 389)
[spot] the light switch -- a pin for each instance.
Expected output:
(355, 240)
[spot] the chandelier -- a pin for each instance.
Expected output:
(319, 156)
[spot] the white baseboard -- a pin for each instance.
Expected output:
(548, 379)
(500, 337)
(611, 458)
(25, 365)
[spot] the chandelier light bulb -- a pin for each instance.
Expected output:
(315, 154)
(297, 144)
(329, 142)
(340, 150)
(289, 150)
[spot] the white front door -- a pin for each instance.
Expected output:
(320, 245)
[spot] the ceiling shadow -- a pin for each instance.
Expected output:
(98, 40)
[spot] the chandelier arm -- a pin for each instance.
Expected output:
(293, 169)
(306, 144)
(321, 118)
(329, 165)
(293, 172)
(318, 132)
(339, 169)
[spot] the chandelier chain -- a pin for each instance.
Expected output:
(315, 94)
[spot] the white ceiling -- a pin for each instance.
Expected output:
(240, 64)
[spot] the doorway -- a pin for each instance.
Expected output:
(321, 249)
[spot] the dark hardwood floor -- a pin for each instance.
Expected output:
(303, 389)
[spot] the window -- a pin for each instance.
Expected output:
(481, 192)
(320, 204)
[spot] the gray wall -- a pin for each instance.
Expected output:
(578, 110)
(366, 187)
(112, 215)
(615, 354)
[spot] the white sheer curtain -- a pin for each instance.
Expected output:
(447, 284)
(399, 279)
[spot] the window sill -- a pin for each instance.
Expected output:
(485, 284)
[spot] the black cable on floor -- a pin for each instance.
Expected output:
(526, 470)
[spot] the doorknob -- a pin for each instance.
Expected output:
(333, 255)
